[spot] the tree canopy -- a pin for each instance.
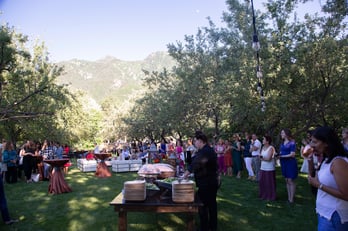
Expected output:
(214, 84)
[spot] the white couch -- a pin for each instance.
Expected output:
(126, 165)
(87, 165)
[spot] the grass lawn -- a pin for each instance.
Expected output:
(87, 207)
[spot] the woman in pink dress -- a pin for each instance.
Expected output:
(267, 182)
(220, 150)
(179, 151)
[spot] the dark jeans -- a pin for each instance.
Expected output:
(19, 171)
(28, 166)
(11, 174)
(208, 213)
(3, 203)
(188, 157)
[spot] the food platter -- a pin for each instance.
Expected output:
(165, 183)
(151, 189)
(156, 171)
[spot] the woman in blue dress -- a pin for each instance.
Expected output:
(288, 163)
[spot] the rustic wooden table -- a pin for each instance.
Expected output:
(157, 204)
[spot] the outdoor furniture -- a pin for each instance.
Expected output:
(126, 165)
(57, 182)
(102, 169)
(154, 203)
(87, 165)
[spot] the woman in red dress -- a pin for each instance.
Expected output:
(228, 157)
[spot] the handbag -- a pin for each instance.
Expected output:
(35, 177)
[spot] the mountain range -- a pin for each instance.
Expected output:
(111, 78)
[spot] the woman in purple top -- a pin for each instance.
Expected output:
(288, 163)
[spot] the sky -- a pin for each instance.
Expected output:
(129, 30)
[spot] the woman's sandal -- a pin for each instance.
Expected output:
(10, 222)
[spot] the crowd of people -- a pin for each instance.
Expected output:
(325, 160)
(259, 157)
(27, 160)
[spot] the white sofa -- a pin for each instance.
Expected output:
(126, 165)
(87, 165)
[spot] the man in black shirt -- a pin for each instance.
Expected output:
(204, 166)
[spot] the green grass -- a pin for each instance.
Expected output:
(87, 207)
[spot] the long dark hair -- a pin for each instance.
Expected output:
(334, 146)
(288, 133)
(268, 138)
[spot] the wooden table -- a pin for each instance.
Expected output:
(154, 204)
(102, 168)
(57, 182)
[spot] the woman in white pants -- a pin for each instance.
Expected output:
(247, 155)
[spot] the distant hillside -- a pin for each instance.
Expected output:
(110, 77)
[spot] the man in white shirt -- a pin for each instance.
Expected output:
(125, 155)
(96, 149)
(255, 149)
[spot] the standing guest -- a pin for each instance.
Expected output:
(331, 181)
(190, 151)
(3, 164)
(180, 156)
(220, 150)
(163, 149)
(20, 163)
(9, 156)
(66, 151)
(171, 147)
(228, 157)
(153, 152)
(288, 163)
(267, 182)
(140, 146)
(3, 206)
(306, 151)
(90, 155)
(245, 145)
(28, 159)
(96, 149)
(125, 155)
(236, 156)
(255, 149)
(204, 166)
(59, 151)
(47, 154)
(345, 139)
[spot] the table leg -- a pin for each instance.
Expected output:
(122, 221)
(57, 182)
(102, 170)
(190, 221)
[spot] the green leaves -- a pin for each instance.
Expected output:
(213, 86)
